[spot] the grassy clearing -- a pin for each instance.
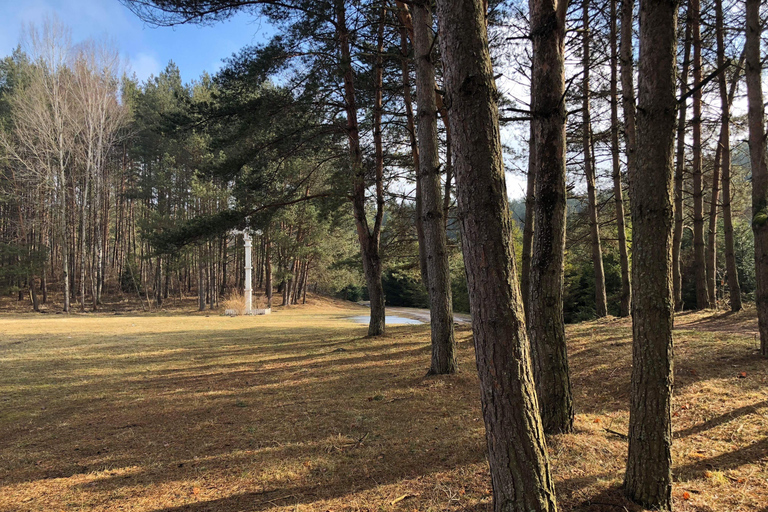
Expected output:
(299, 411)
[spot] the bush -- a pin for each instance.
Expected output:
(352, 292)
(403, 290)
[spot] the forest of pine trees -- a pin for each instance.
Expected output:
(366, 148)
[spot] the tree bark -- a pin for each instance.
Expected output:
(677, 237)
(411, 127)
(83, 228)
(711, 252)
(516, 445)
(699, 255)
(268, 269)
(626, 60)
(757, 156)
(731, 274)
(626, 286)
(547, 329)
(433, 224)
(200, 280)
(528, 227)
(288, 288)
(64, 235)
(601, 303)
(648, 479)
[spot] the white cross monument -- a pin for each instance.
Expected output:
(248, 273)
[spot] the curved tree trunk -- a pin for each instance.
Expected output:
(756, 118)
(648, 478)
(433, 224)
(516, 446)
(546, 328)
(369, 238)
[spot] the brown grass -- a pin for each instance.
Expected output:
(300, 411)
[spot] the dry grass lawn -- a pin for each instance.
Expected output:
(299, 411)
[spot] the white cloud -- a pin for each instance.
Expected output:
(144, 65)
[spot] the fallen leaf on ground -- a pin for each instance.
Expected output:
(401, 498)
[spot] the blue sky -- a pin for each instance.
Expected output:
(146, 49)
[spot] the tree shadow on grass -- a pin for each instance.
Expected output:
(755, 452)
(164, 422)
(720, 420)
(609, 500)
(601, 364)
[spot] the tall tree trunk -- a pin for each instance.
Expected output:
(626, 60)
(731, 274)
(83, 232)
(601, 303)
(528, 226)
(200, 279)
(268, 269)
(289, 285)
(448, 165)
(516, 445)
(677, 237)
(224, 242)
(547, 329)
(64, 237)
(369, 238)
(648, 478)
(711, 252)
(33, 293)
(102, 251)
(44, 284)
(626, 287)
(436, 243)
(757, 156)
(405, 23)
(159, 283)
(699, 256)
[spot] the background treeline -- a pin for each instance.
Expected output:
(102, 176)
(111, 186)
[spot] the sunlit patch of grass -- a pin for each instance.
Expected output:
(300, 410)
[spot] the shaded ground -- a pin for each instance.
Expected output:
(299, 411)
(743, 322)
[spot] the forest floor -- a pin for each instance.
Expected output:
(299, 411)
